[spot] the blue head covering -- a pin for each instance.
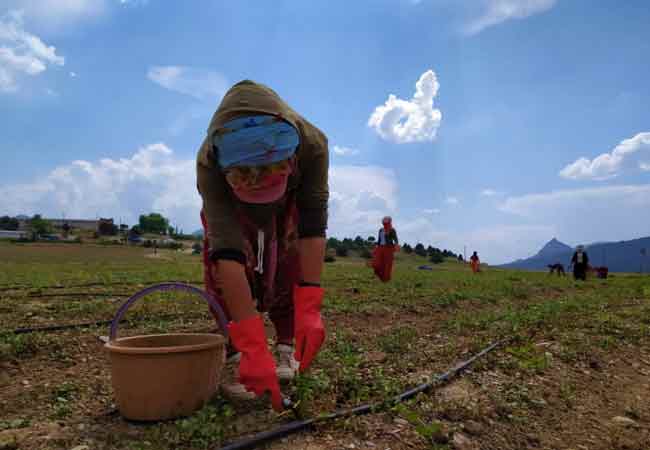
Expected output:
(255, 141)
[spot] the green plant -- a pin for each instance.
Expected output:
(308, 387)
(18, 345)
(567, 392)
(205, 427)
(13, 424)
(397, 340)
(432, 431)
(63, 395)
(529, 357)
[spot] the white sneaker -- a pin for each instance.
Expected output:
(231, 388)
(287, 364)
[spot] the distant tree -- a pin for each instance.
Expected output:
(407, 248)
(153, 223)
(171, 231)
(39, 225)
(124, 228)
(437, 258)
(420, 250)
(9, 223)
(135, 231)
(106, 227)
(342, 251)
(371, 239)
(329, 256)
(436, 255)
(333, 243)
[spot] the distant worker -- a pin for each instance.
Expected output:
(262, 172)
(580, 262)
(387, 245)
(475, 262)
(556, 268)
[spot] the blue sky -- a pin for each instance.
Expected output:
(510, 121)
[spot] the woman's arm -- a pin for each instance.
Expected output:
(312, 254)
(224, 237)
(312, 198)
(232, 285)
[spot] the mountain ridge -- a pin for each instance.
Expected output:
(621, 256)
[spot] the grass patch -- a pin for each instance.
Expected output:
(398, 340)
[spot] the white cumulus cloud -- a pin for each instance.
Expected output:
(345, 151)
(586, 215)
(414, 120)
(498, 11)
(58, 14)
(359, 197)
(22, 53)
(198, 83)
(490, 193)
(452, 200)
(633, 153)
(134, 2)
(495, 244)
(154, 179)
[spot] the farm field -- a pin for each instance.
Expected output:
(573, 373)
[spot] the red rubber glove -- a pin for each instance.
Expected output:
(310, 332)
(256, 366)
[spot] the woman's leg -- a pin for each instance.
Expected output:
(282, 273)
(388, 264)
(379, 263)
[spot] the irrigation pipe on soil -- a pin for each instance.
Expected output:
(161, 287)
(72, 326)
(298, 425)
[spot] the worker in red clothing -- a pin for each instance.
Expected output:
(387, 245)
(475, 262)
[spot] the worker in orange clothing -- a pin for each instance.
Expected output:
(475, 262)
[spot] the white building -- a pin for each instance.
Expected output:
(10, 234)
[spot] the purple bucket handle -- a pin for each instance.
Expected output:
(169, 287)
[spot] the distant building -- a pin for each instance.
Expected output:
(58, 224)
(77, 224)
(10, 234)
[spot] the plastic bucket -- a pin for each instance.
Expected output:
(164, 376)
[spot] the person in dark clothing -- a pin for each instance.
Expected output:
(387, 245)
(557, 267)
(580, 262)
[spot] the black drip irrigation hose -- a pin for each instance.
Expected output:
(71, 326)
(15, 287)
(119, 318)
(68, 326)
(298, 425)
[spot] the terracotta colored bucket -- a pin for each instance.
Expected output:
(164, 376)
